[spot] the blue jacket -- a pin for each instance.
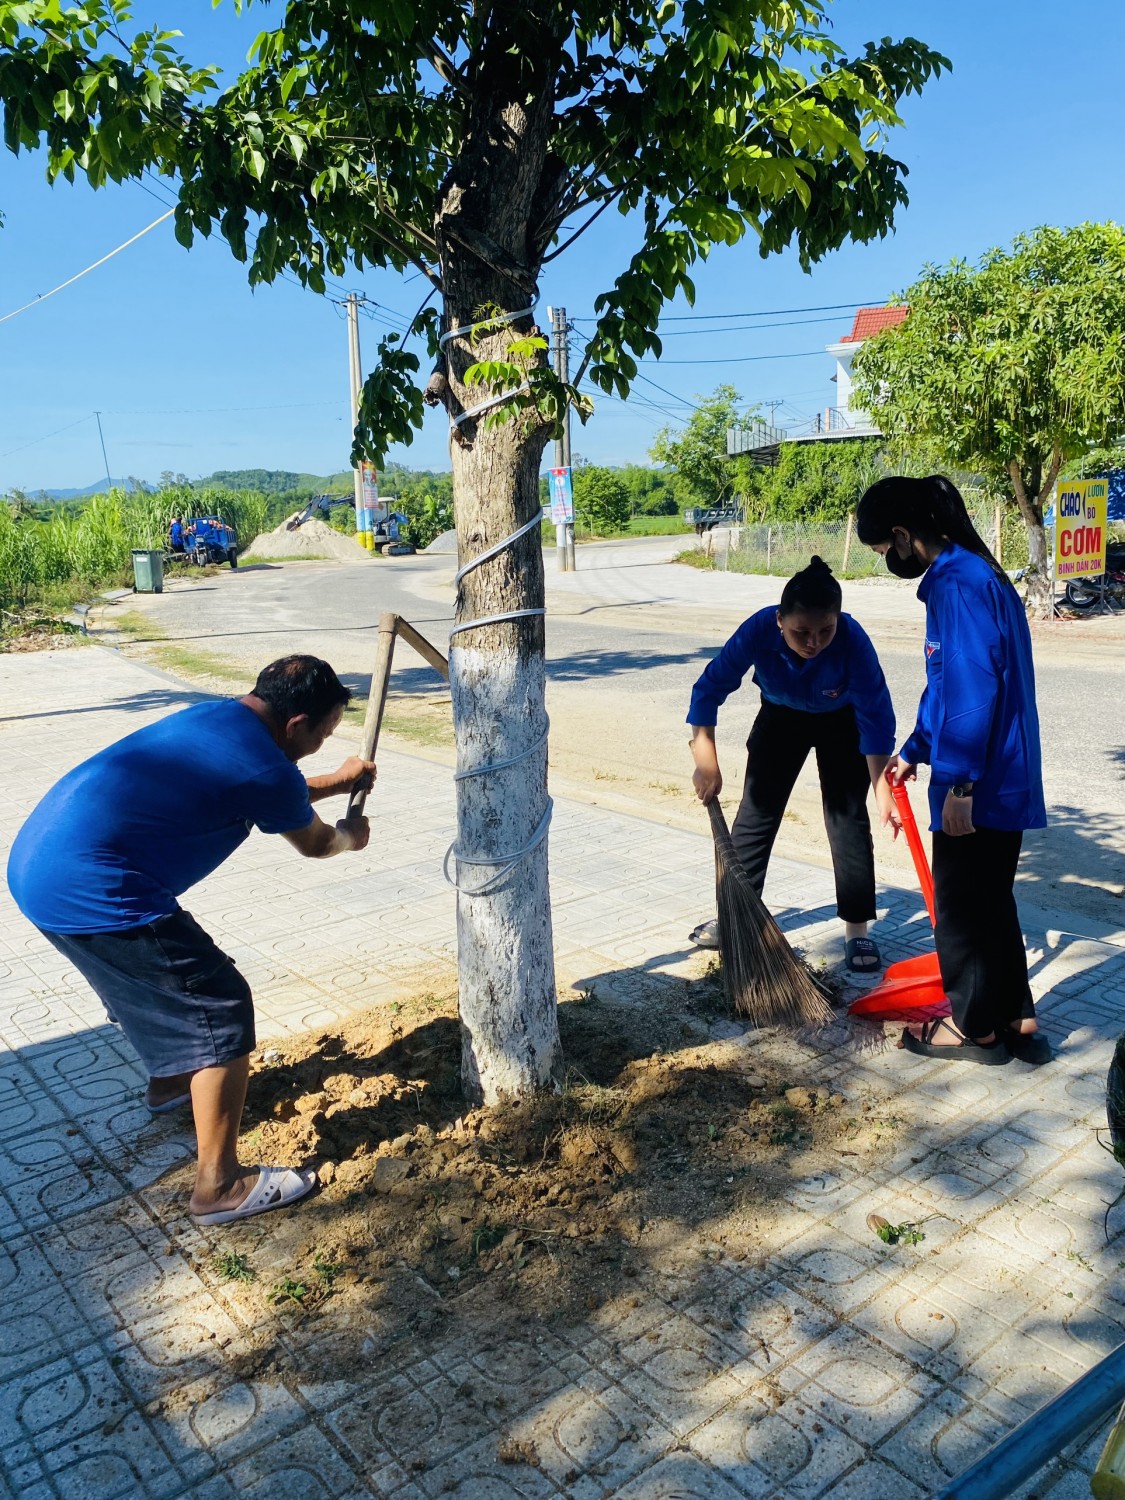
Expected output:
(846, 673)
(977, 720)
(118, 839)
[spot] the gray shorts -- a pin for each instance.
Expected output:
(175, 994)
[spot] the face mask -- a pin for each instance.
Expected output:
(905, 567)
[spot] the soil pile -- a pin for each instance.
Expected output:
(658, 1153)
(313, 539)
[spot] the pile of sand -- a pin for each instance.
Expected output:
(313, 539)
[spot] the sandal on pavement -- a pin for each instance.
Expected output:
(276, 1187)
(169, 1104)
(706, 935)
(992, 1054)
(1029, 1046)
(864, 947)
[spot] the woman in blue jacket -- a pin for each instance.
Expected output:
(978, 730)
(822, 689)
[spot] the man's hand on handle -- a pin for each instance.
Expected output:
(355, 775)
(356, 829)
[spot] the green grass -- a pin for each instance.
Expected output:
(233, 1266)
(135, 623)
(638, 526)
(193, 663)
(695, 557)
(277, 562)
(421, 727)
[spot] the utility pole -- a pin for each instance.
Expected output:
(564, 371)
(101, 439)
(558, 339)
(355, 381)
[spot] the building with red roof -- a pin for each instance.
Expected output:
(839, 421)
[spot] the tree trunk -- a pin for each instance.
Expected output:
(484, 227)
(1029, 491)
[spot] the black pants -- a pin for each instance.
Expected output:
(778, 747)
(978, 934)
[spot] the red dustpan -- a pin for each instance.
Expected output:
(911, 989)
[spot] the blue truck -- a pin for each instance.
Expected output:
(208, 539)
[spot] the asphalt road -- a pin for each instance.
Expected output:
(626, 637)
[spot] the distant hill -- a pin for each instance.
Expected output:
(97, 488)
(266, 481)
(285, 481)
(274, 481)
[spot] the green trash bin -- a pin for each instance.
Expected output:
(148, 571)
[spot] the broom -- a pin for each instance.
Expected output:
(762, 976)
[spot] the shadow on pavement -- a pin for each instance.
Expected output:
(167, 698)
(727, 1325)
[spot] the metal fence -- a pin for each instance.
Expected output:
(781, 548)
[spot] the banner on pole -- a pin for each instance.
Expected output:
(1080, 527)
(376, 510)
(562, 496)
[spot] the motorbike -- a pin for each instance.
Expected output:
(1085, 593)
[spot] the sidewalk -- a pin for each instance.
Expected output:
(848, 1373)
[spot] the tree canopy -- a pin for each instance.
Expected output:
(353, 135)
(698, 451)
(600, 498)
(1014, 366)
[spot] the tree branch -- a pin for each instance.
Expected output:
(447, 69)
(566, 244)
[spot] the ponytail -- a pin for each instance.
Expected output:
(813, 588)
(931, 509)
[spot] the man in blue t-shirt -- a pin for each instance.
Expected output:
(100, 864)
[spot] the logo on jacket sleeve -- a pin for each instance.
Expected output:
(932, 649)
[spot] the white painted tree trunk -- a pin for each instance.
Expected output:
(510, 1040)
(485, 230)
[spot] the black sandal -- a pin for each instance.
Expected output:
(1029, 1046)
(864, 947)
(992, 1054)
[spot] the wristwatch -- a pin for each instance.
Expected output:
(962, 789)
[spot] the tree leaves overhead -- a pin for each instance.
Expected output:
(1019, 360)
(710, 119)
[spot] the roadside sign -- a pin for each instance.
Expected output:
(377, 511)
(1080, 528)
(562, 496)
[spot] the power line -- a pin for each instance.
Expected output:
(772, 312)
(173, 411)
(692, 333)
(747, 359)
(46, 435)
(71, 280)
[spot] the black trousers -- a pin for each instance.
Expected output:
(978, 934)
(778, 747)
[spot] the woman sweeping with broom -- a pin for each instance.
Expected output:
(822, 689)
(979, 730)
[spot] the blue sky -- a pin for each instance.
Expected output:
(193, 371)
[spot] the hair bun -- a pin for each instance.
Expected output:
(819, 564)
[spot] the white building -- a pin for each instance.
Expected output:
(844, 419)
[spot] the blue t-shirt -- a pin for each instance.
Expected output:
(116, 841)
(977, 720)
(845, 674)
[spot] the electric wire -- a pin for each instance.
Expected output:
(35, 301)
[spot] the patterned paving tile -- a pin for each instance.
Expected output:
(832, 1366)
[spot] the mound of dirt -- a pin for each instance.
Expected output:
(313, 539)
(658, 1149)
